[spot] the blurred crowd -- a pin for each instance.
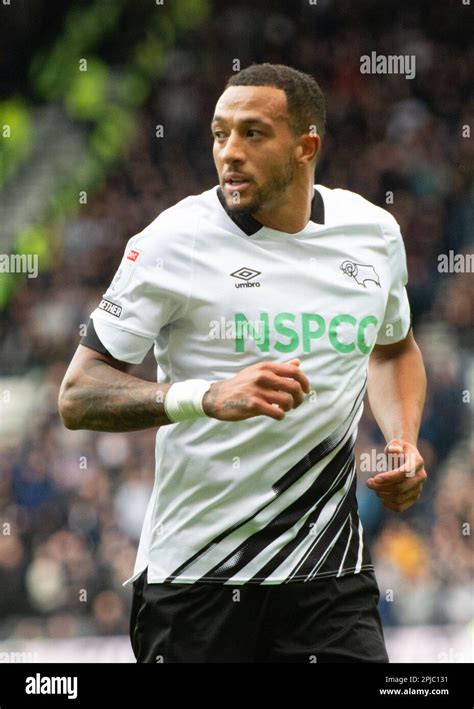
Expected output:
(72, 502)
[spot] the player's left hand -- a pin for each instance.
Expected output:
(400, 488)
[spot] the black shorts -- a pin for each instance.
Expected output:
(324, 620)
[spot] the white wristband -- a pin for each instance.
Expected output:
(183, 400)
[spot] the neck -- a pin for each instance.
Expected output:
(291, 213)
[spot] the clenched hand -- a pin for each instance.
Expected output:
(255, 390)
(400, 488)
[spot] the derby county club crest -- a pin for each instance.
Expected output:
(360, 272)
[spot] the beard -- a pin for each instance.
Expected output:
(268, 194)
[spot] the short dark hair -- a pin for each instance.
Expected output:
(305, 100)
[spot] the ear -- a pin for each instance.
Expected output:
(307, 148)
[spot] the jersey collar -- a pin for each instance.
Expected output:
(249, 225)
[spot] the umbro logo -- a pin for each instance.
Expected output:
(360, 272)
(247, 275)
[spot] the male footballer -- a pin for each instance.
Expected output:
(272, 304)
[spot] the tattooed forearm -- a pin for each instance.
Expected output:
(105, 399)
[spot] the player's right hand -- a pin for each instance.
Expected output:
(263, 389)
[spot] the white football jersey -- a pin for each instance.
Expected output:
(258, 501)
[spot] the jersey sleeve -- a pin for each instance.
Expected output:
(397, 318)
(149, 291)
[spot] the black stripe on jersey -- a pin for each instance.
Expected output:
(350, 561)
(314, 456)
(342, 469)
(324, 553)
(344, 545)
(308, 565)
(332, 562)
(320, 451)
(317, 494)
(344, 554)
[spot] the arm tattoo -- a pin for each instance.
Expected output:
(107, 399)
